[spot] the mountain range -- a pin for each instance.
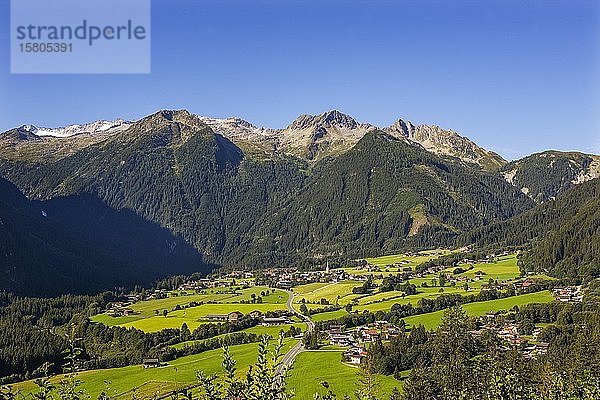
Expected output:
(244, 196)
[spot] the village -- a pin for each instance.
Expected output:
(354, 342)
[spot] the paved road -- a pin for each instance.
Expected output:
(289, 357)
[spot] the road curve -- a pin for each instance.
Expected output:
(298, 348)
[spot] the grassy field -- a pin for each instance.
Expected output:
(430, 293)
(309, 287)
(504, 269)
(313, 367)
(162, 380)
(340, 292)
(193, 316)
(146, 309)
(432, 320)
(409, 260)
(328, 315)
(227, 300)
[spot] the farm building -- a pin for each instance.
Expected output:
(151, 363)
(232, 316)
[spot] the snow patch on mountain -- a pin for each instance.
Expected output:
(96, 127)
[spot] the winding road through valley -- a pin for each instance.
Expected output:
(289, 357)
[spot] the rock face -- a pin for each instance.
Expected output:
(446, 143)
(315, 136)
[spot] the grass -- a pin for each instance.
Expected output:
(146, 309)
(430, 293)
(340, 292)
(504, 269)
(178, 373)
(193, 316)
(412, 260)
(309, 287)
(227, 299)
(328, 315)
(271, 296)
(313, 367)
(432, 320)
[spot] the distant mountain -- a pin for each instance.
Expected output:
(544, 176)
(96, 127)
(238, 203)
(309, 137)
(29, 144)
(77, 244)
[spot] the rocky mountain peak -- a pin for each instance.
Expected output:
(326, 119)
(170, 115)
(168, 118)
(25, 132)
(445, 142)
(404, 128)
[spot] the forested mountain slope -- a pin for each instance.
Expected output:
(563, 234)
(383, 195)
(77, 245)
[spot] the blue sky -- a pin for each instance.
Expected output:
(517, 77)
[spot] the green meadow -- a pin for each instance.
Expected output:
(309, 287)
(120, 382)
(504, 269)
(149, 314)
(340, 293)
(328, 315)
(423, 256)
(311, 368)
(193, 316)
(432, 320)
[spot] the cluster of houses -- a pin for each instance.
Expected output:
(283, 278)
(508, 331)
(230, 280)
(356, 339)
(286, 278)
(236, 315)
(120, 309)
(572, 294)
